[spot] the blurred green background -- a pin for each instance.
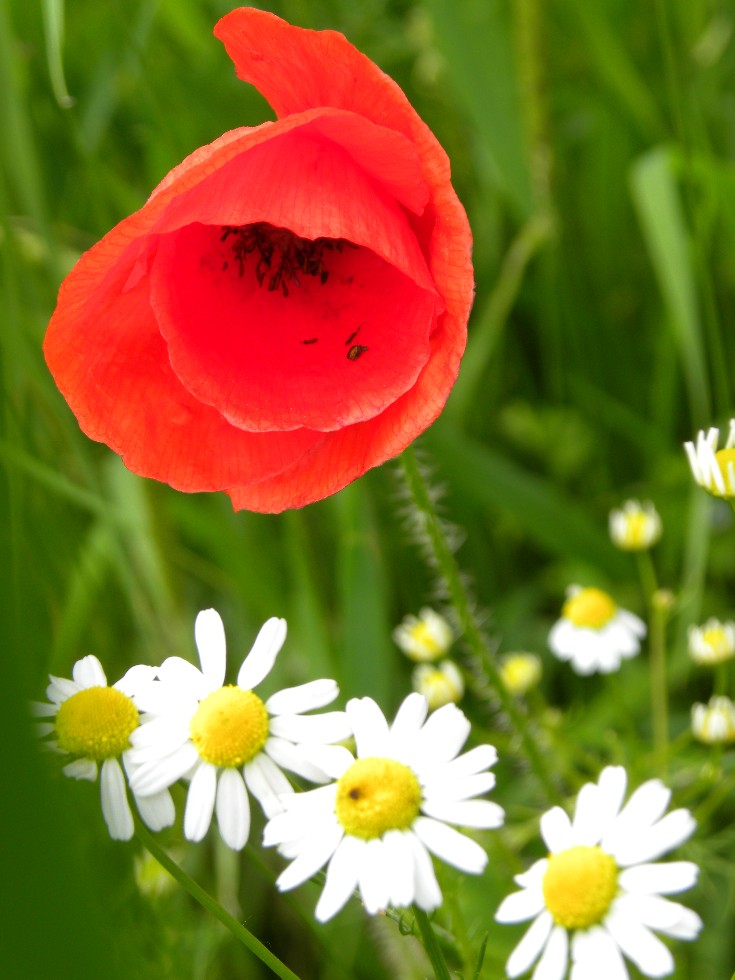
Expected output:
(592, 144)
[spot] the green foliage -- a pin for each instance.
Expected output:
(592, 144)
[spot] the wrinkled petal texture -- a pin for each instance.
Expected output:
(204, 362)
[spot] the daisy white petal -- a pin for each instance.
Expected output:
(259, 662)
(446, 790)
(88, 672)
(451, 846)
(529, 948)
(670, 918)
(161, 735)
(81, 769)
(369, 727)
(399, 867)
(305, 697)
(646, 804)
(330, 726)
(612, 783)
(200, 802)
(469, 763)
(428, 895)
(209, 634)
(652, 842)
(554, 959)
(294, 758)
(332, 760)
(341, 878)
(60, 689)
(639, 944)
(156, 811)
(520, 906)
(533, 878)
(596, 954)
(585, 826)
(408, 721)
(556, 830)
(185, 679)
(158, 774)
(135, 680)
(444, 734)
(483, 814)
(267, 783)
(666, 879)
(372, 877)
(233, 809)
(115, 806)
(39, 709)
(309, 862)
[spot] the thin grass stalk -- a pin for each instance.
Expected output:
(431, 945)
(212, 906)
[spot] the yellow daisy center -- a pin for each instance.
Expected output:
(590, 609)
(376, 795)
(229, 727)
(579, 886)
(96, 723)
(725, 458)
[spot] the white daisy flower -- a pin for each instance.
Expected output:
(439, 683)
(635, 526)
(388, 809)
(95, 724)
(226, 739)
(597, 897)
(713, 469)
(714, 723)
(425, 637)
(713, 643)
(594, 634)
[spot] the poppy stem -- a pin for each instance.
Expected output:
(209, 903)
(434, 539)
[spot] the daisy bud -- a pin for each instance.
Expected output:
(635, 527)
(714, 723)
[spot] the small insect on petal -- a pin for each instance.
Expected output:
(357, 350)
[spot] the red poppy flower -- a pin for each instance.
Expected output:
(289, 307)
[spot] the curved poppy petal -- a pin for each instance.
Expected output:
(126, 395)
(342, 456)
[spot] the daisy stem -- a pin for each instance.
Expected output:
(199, 895)
(431, 535)
(658, 603)
(431, 944)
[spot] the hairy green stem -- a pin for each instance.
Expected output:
(199, 895)
(431, 945)
(432, 535)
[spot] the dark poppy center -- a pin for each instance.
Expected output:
(277, 257)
